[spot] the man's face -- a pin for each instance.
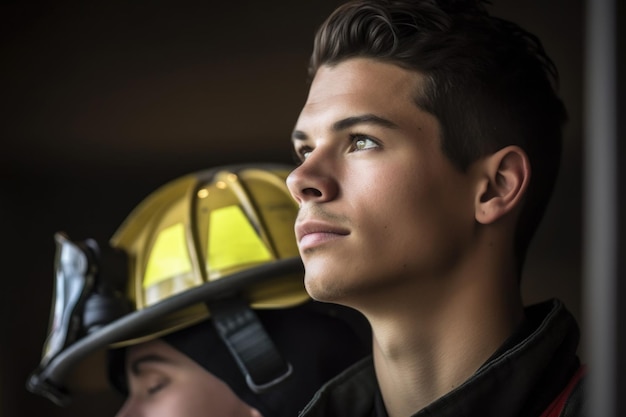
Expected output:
(381, 206)
(164, 382)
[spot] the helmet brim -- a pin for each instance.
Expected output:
(51, 381)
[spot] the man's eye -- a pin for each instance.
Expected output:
(156, 387)
(304, 152)
(361, 142)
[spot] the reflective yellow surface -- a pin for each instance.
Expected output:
(202, 228)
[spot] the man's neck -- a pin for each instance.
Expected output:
(422, 353)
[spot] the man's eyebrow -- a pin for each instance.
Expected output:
(370, 119)
(135, 365)
(348, 122)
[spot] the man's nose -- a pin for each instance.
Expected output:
(314, 180)
(127, 409)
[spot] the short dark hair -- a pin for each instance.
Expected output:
(489, 82)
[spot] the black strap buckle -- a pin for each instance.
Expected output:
(247, 340)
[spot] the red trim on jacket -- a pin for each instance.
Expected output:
(555, 408)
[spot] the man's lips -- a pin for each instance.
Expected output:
(311, 233)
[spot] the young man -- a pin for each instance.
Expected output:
(429, 146)
(210, 316)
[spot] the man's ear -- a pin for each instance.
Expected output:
(504, 178)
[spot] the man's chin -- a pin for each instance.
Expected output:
(321, 288)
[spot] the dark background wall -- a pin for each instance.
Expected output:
(103, 102)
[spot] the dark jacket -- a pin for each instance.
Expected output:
(522, 379)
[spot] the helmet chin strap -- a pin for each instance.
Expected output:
(252, 348)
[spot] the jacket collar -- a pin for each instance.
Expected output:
(521, 380)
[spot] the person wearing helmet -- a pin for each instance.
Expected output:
(199, 308)
(429, 145)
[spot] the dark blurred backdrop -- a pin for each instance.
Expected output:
(103, 102)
